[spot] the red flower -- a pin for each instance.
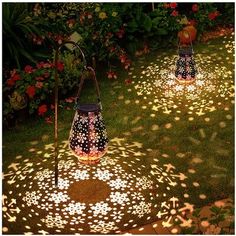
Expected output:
(42, 109)
(213, 15)
(60, 66)
(127, 64)
(39, 78)
(112, 49)
(194, 7)
(30, 91)
(175, 13)
(48, 120)
(192, 22)
(173, 5)
(10, 82)
(46, 74)
(123, 58)
(111, 75)
(70, 23)
(59, 38)
(109, 35)
(82, 18)
(89, 15)
(128, 81)
(28, 69)
(120, 33)
(16, 77)
(42, 64)
(39, 85)
(52, 106)
(166, 5)
(70, 99)
(146, 49)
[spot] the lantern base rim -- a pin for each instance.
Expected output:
(87, 159)
(185, 81)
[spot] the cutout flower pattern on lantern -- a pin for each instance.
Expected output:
(88, 137)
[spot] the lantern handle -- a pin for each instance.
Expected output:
(81, 86)
(76, 45)
(190, 41)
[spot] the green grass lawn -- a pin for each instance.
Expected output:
(195, 135)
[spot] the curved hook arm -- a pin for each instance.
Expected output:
(56, 100)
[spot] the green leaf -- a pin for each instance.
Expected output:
(196, 212)
(156, 21)
(132, 26)
(162, 31)
(147, 24)
(215, 209)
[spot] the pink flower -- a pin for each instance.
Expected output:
(70, 99)
(28, 69)
(127, 64)
(175, 13)
(39, 84)
(123, 58)
(48, 120)
(111, 75)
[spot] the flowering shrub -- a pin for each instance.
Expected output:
(107, 32)
(33, 87)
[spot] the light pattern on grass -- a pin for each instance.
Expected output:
(157, 86)
(133, 193)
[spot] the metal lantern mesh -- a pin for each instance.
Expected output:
(88, 137)
(185, 67)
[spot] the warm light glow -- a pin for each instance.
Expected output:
(131, 191)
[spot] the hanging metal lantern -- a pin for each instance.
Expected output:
(185, 71)
(88, 137)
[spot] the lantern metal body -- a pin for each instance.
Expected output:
(88, 137)
(185, 71)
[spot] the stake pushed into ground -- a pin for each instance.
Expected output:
(56, 101)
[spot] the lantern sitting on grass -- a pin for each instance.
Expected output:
(185, 71)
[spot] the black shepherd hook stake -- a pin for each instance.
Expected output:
(56, 101)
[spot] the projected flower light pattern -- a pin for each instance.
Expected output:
(168, 95)
(128, 193)
(158, 86)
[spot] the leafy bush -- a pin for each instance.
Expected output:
(33, 87)
(16, 28)
(110, 33)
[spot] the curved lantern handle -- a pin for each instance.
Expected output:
(82, 82)
(56, 100)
